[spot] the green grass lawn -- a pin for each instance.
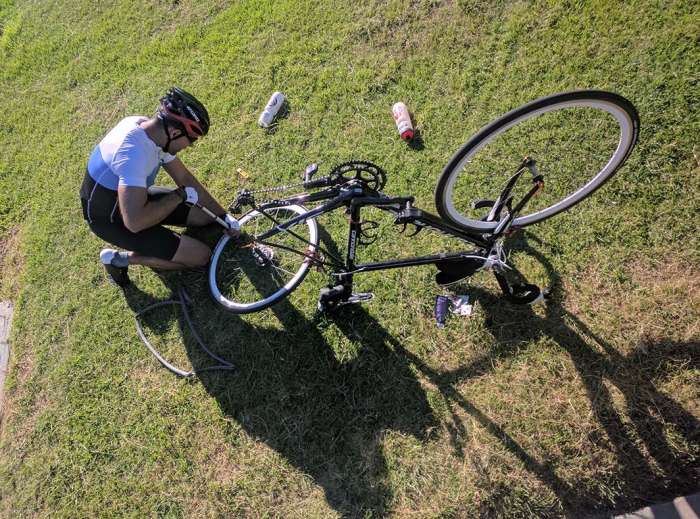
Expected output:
(588, 405)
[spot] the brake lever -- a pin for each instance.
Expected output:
(405, 226)
(366, 237)
(418, 229)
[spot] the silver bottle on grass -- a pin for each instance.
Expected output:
(271, 110)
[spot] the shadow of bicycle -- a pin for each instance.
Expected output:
(327, 417)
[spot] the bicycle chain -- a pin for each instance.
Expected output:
(340, 171)
(275, 189)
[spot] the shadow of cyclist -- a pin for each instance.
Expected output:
(326, 416)
(325, 411)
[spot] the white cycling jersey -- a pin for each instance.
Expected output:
(126, 156)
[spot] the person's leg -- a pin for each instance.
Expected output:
(156, 247)
(190, 253)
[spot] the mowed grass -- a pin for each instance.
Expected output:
(585, 406)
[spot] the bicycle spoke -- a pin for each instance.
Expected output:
(276, 267)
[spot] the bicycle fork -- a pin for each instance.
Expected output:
(505, 199)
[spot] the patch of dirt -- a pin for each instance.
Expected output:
(6, 242)
(674, 288)
(23, 429)
(222, 469)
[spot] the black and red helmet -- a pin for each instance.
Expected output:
(184, 110)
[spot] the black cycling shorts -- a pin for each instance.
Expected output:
(101, 211)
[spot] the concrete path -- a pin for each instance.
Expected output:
(5, 321)
(680, 508)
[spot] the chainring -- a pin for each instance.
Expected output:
(369, 174)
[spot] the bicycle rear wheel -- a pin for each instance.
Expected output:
(577, 139)
(252, 276)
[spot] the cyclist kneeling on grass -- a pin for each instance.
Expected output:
(123, 207)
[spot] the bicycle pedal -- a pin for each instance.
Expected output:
(326, 305)
(359, 297)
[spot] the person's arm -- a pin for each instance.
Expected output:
(131, 164)
(182, 177)
(139, 213)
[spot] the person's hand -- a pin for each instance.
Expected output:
(234, 228)
(189, 195)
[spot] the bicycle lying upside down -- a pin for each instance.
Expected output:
(523, 168)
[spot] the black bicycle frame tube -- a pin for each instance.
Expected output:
(409, 262)
(353, 239)
(327, 207)
(425, 220)
(345, 276)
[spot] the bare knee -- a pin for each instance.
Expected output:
(201, 257)
(192, 253)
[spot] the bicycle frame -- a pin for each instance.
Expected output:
(356, 184)
(356, 193)
(355, 198)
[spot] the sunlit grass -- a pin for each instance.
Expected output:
(585, 406)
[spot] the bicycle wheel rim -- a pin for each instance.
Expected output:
(615, 112)
(250, 279)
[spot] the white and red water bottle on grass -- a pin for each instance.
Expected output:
(403, 121)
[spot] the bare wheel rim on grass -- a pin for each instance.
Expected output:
(251, 277)
(577, 139)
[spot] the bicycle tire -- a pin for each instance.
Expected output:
(255, 276)
(595, 114)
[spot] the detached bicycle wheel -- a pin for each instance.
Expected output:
(577, 139)
(252, 275)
